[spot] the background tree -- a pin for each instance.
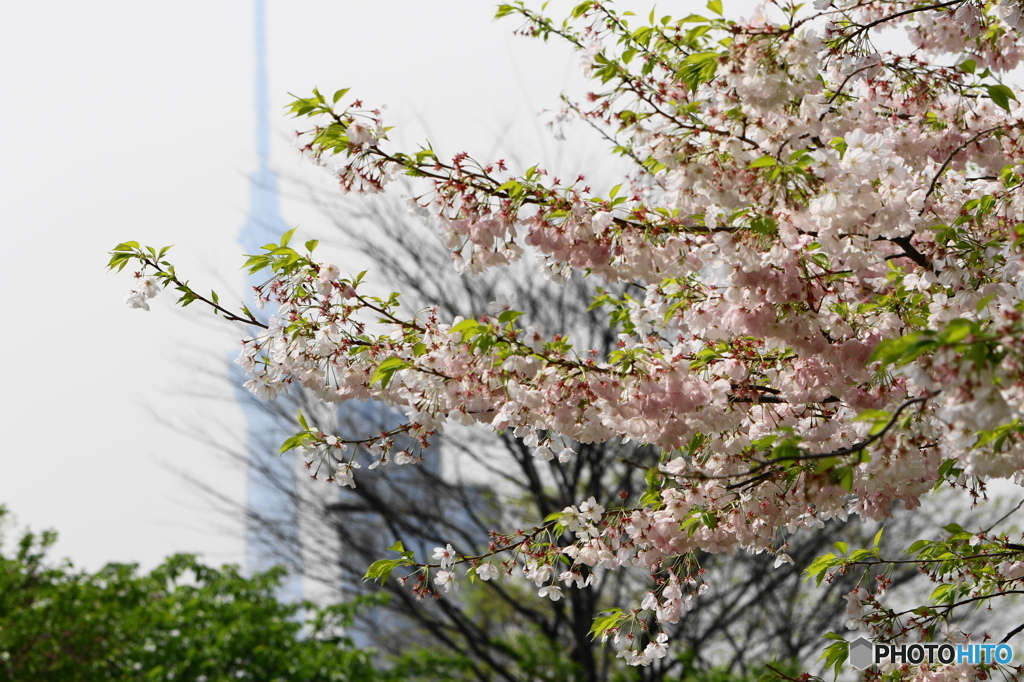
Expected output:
(183, 620)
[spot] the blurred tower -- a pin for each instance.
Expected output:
(290, 522)
(272, 522)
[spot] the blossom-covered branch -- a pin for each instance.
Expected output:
(821, 234)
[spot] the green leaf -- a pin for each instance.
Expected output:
(844, 476)
(763, 162)
(878, 536)
(509, 316)
(603, 623)
(1001, 95)
(902, 349)
(835, 655)
(292, 443)
(581, 8)
(918, 546)
(968, 66)
(386, 369)
(820, 566)
(956, 331)
(469, 329)
(698, 68)
(786, 450)
(716, 7)
(872, 416)
(119, 260)
(286, 237)
(942, 592)
(339, 94)
(381, 569)
(878, 418)
(513, 187)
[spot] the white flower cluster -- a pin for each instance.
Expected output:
(145, 288)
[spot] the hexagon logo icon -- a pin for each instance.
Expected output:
(861, 653)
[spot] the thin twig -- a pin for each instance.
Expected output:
(1005, 516)
(1011, 633)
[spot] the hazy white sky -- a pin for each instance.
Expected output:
(134, 120)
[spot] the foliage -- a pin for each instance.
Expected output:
(827, 237)
(183, 620)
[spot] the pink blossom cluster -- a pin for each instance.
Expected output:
(827, 237)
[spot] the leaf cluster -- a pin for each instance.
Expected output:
(183, 620)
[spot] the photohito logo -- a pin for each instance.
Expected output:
(865, 653)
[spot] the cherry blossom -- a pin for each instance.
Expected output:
(820, 242)
(487, 571)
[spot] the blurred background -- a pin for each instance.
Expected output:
(125, 120)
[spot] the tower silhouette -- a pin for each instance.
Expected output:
(272, 526)
(306, 527)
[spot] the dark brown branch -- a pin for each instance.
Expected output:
(949, 159)
(912, 10)
(840, 452)
(911, 252)
(228, 315)
(1011, 633)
